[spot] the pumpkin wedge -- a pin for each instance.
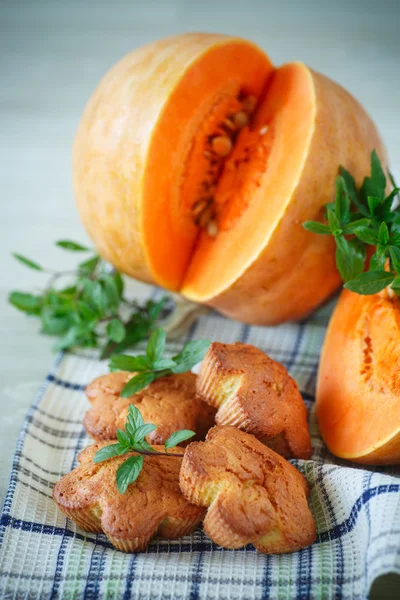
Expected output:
(196, 162)
(358, 390)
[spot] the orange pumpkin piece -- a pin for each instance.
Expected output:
(358, 391)
(196, 162)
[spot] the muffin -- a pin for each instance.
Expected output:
(152, 505)
(256, 394)
(253, 495)
(170, 402)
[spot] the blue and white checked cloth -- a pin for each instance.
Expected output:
(44, 555)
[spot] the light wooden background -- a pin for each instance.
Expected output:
(52, 54)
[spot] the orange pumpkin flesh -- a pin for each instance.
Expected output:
(144, 158)
(358, 407)
(176, 167)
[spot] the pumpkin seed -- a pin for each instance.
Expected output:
(200, 205)
(241, 119)
(249, 104)
(212, 228)
(221, 145)
(205, 216)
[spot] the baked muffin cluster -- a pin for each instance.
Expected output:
(237, 480)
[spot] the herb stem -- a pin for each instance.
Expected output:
(155, 453)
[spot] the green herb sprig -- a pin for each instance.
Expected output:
(132, 439)
(152, 365)
(360, 218)
(91, 311)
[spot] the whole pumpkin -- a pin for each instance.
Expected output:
(196, 162)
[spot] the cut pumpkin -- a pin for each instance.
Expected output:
(196, 162)
(358, 391)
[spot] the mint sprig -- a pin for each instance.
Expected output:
(132, 439)
(360, 218)
(91, 311)
(152, 365)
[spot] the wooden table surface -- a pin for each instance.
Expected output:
(53, 53)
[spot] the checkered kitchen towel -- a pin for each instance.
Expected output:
(44, 555)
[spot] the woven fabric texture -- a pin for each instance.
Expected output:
(44, 555)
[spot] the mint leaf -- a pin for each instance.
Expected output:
(85, 311)
(29, 303)
(135, 419)
(378, 259)
(342, 202)
(124, 362)
(73, 246)
(350, 185)
(119, 283)
(116, 330)
(128, 472)
(392, 181)
(316, 227)
(87, 267)
(92, 294)
(143, 446)
(396, 285)
(178, 437)
(163, 364)
(366, 235)
(106, 453)
(54, 320)
(395, 258)
(155, 346)
(27, 262)
(373, 203)
(359, 254)
(70, 339)
(137, 329)
(354, 225)
(334, 222)
(141, 432)
(192, 353)
(383, 234)
(154, 309)
(388, 212)
(370, 282)
(348, 259)
(123, 438)
(377, 174)
(111, 291)
(137, 383)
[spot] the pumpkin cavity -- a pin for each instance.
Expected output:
(367, 360)
(224, 164)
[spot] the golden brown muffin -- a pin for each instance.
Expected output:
(253, 494)
(170, 402)
(152, 505)
(255, 393)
